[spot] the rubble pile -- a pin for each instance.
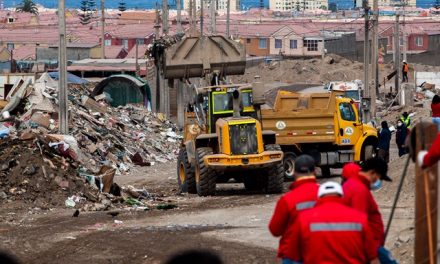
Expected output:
(39, 166)
(32, 174)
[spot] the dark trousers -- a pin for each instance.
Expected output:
(384, 154)
(402, 151)
(404, 77)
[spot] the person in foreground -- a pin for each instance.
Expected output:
(357, 190)
(301, 197)
(332, 232)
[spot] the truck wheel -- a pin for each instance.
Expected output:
(185, 173)
(368, 152)
(275, 178)
(205, 176)
(289, 165)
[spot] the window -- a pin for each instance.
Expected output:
(293, 44)
(140, 41)
(419, 41)
(107, 42)
(401, 41)
(278, 43)
(347, 112)
(248, 40)
(125, 43)
(10, 46)
(311, 44)
(262, 43)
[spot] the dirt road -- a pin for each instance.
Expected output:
(233, 223)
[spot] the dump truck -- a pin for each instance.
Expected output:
(326, 126)
(223, 139)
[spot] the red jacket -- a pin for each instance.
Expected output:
(357, 195)
(302, 196)
(332, 233)
(435, 110)
(433, 155)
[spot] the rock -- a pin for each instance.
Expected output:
(29, 170)
(3, 195)
(404, 238)
(329, 60)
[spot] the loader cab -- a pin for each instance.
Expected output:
(218, 103)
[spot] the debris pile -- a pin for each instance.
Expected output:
(47, 169)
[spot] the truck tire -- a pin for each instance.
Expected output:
(185, 173)
(275, 178)
(368, 152)
(205, 176)
(289, 165)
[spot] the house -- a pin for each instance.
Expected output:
(289, 41)
(129, 35)
(111, 52)
(141, 53)
(75, 52)
(413, 38)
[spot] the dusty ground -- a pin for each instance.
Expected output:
(233, 223)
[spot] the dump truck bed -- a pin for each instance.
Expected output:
(302, 117)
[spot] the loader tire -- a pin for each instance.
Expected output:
(186, 177)
(275, 178)
(205, 176)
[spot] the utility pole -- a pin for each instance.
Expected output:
(404, 34)
(375, 58)
(62, 65)
(201, 17)
(366, 95)
(396, 54)
(102, 29)
(213, 7)
(157, 91)
(179, 16)
(137, 60)
(165, 17)
(228, 17)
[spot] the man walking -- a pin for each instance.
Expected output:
(405, 69)
(333, 232)
(401, 134)
(383, 145)
(358, 196)
(301, 197)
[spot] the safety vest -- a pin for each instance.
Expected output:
(405, 67)
(406, 121)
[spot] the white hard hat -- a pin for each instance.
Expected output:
(330, 188)
(404, 61)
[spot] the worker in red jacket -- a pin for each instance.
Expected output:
(332, 232)
(358, 196)
(432, 156)
(302, 196)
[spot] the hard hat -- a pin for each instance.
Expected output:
(404, 61)
(330, 188)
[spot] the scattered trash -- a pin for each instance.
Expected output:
(70, 203)
(118, 222)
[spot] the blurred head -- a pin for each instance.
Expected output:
(195, 257)
(330, 189)
(304, 166)
(405, 114)
(375, 169)
(384, 124)
(6, 258)
(399, 123)
(436, 99)
(350, 170)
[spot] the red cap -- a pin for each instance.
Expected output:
(350, 169)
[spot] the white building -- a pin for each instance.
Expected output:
(298, 5)
(221, 4)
